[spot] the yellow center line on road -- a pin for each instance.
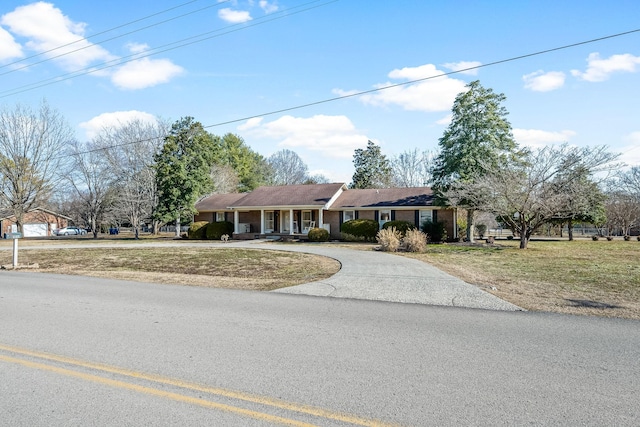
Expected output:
(155, 392)
(262, 400)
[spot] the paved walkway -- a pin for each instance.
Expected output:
(386, 277)
(364, 275)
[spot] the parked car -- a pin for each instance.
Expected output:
(66, 231)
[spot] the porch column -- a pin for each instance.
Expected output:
(261, 221)
(290, 221)
(236, 221)
(320, 219)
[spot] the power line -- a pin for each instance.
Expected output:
(351, 95)
(104, 32)
(165, 48)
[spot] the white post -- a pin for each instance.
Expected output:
(261, 221)
(236, 221)
(290, 221)
(15, 252)
(320, 218)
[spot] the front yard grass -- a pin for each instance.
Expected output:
(581, 277)
(224, 268)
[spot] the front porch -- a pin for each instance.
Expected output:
(290, 223)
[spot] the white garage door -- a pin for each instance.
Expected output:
(34, 230)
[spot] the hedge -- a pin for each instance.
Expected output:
(197, 230)
(318, 235)
(364, 228)
(215, 230)
(435, 231)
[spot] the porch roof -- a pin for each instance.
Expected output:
(315, 195)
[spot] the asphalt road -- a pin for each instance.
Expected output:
(78, 351)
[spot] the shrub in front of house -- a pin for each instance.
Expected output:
(364, 228)
(401, 226)
(197, 230)
(215, 230)
(389, 239)
(436, 231)
(318, 235)
(415, 241)
(595, 237)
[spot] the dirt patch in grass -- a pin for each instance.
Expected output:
(586, 277)
(212, 267)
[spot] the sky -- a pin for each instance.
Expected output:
(244, 66)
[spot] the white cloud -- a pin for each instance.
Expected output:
(137, 47)
(332, 136)
(143, 73)
(251, 123)
(9, 49)
(599, 69)
(268, 7)
(234, 16)
(116, 119)
(47, 28)
(431, 95)
(535, 138)
(463, 65)
(539, 81)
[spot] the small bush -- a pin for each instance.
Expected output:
(215, 230)
(609, 238)
(436, 231)
(401, 226)
(415, 241)
(318, 235)
(509, 237)
(350, 238)
(638, 238)
(197, 230)
(389, 239)
(627, 238)
(364, 228)
(595, 238)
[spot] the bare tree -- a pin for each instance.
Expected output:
(529, 193)
(32, 145)
(129, 150)
(412, 168)
(623, 213)
(288, 168)
(93, 180)
(225, 179)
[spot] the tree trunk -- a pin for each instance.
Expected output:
(524, 239)
(94, 228)
(178, 227)
(570, 228)
(470, 225)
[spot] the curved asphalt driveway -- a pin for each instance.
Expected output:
(364, 275)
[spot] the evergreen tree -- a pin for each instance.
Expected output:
(373, 169)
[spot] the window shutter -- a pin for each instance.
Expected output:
(417, 218)
(376, 215)
(435, 215)
(357, 214)
(341, 218)
(393, 215)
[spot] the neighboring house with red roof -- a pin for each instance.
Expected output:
(38, 222)
(294, 209)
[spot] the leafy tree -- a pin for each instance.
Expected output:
(477, 139)
(372, 168)
(288, 168)
(183, 169)
(32, 145)
(252, 168)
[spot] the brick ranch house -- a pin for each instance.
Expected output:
(37, 222)
(294, 209)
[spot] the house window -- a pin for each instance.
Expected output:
(348, 216)
(426, 215)
(219, 216)
(385, 216)
(306, 220)
(268, 221)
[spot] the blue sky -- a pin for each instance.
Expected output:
(263, 56)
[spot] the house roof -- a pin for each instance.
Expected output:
(218, 202)
(319, 195)
(290, 195)
(385, 197)
(6, 214)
